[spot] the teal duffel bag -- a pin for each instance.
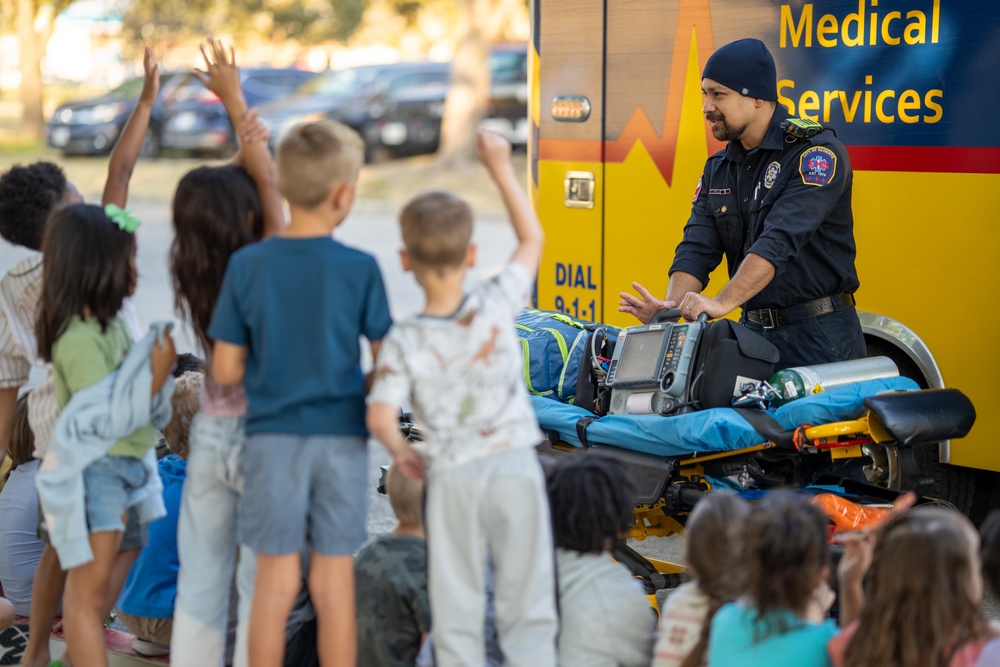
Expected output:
(553, 345)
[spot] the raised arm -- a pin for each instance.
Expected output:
(494, 151)
(126, 151)
(222, 77)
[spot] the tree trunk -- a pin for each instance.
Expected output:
(469, 92)
(32, 49)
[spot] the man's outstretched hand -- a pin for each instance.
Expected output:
(644, 306)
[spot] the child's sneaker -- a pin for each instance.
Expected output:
(149, 649)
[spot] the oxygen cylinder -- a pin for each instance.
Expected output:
(799, 381)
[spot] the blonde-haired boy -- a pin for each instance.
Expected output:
(287, 325)
(459, 364)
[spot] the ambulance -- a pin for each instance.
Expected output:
(911, 87)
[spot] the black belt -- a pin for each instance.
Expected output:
(770, 318)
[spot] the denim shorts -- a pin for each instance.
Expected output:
(108, 482)
(304, 485)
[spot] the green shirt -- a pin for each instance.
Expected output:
(84, 355)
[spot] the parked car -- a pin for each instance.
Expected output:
(195, 120)
(91, 126)
(317, 96)
(411, 122)
(355, 96)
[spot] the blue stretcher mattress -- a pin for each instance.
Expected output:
(706, 431)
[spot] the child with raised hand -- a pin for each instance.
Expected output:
(216, 211)
(102, 436)
(713, 554)
(922, 596)
(28, 195)
(287, 326)
(780, 621)
(605, 617)
(459, 364)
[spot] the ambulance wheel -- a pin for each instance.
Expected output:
(973, 492)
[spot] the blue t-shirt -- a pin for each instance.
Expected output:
(731, 642)
(300, 305)
(151, 587)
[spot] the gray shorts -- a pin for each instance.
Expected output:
(298, 486)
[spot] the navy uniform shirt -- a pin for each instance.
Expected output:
(788, 201)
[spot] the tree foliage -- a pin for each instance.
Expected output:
(304, 21)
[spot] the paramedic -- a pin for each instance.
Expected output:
(778, 205)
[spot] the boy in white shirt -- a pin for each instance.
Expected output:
(459, 364)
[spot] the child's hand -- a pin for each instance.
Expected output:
(409, 461)
(820, 602)
(151, 83)
(857, 557)
(253, 130)
(222, 76)
(494, 150)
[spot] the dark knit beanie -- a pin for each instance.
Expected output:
(746, 66)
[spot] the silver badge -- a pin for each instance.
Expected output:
(771, 175)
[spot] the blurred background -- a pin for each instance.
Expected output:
(413, 77)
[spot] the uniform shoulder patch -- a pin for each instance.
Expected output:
(697, 191)
(817, 166)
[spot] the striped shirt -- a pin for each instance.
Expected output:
(20, 365)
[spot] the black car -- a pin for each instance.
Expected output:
(314, 98)
(195, 120)
(411, 122)
(92, 126)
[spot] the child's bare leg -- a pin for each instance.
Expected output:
(119, 573)
(45, 593)
(278, 581)
(331, 587)
(86, 595)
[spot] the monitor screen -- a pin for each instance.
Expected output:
(640, 358)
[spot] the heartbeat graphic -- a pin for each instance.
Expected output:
(694, 25)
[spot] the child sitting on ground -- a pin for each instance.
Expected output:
(287, 325)
(459, 364)
(713, 553)
(20, 548)
(605, 617)
(922, 596)
(780, 622)
(146, 604)
(390, 573)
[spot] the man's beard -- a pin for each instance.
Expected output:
(725, 131)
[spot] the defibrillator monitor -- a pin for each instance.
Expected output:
(652, 365)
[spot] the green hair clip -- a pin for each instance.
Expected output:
(124, 219)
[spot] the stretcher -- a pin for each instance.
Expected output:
(834, 439)
(831, 437)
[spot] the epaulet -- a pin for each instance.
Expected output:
(802, 128)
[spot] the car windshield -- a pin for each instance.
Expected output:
(339, 83)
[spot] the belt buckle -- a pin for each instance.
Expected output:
(767, 318)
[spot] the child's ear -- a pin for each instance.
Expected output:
(343, 195)
(470, 255)
(404, 259)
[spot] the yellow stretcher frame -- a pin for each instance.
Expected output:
(838, 439)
